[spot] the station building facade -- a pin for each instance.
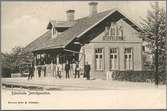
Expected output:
(108, 41)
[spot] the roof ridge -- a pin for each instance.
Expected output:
(54, 20)
(95, 14)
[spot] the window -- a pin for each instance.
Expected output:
(48, 59)
(128, 55)
(114, 59)
(38, 56)
(99, 59)
(42, 59)
(54, 32)
(113, 31)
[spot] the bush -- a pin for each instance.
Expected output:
(134, 76)
(6, 72)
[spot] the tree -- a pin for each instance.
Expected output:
(154, 32)
(11, 61)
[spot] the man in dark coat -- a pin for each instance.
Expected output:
(67, 69)
(44, 71)
(87, 71)
(39, 71)
(31, 72)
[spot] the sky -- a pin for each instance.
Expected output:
(23, 22)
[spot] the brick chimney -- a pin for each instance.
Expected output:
(92, 8)
(70, 15)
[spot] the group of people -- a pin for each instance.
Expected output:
(76, 70)
(68, 68)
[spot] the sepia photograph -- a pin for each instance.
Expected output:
(83, 55)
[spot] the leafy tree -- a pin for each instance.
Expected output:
(11, 61)
(154, 32)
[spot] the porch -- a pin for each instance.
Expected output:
(51, 63)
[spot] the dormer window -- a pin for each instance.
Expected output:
(54, 32)
(113, 31)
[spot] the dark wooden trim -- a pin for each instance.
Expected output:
(131, 42)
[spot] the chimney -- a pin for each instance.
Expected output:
(92, 8)
(70, 15)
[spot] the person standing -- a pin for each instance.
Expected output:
(77, 70)
(39, 71)
(31, 71)
(44, 69)
(59, 69)
(87, 71)
(109, 75)
(73, 68)
(67, 69)
(52, 68)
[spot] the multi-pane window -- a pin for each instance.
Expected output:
(40, 59)
(128, 57)
(113, 31)
(99, 59)
(114, 59)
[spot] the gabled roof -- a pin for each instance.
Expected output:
(80, 27)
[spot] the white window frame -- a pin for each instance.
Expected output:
(99, 60)
(114, 58)
(128, 59)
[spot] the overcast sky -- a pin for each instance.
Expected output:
(23, 22)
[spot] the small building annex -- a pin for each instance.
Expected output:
(107, 40)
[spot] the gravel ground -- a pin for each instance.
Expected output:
(77, 84)
(83, 94)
